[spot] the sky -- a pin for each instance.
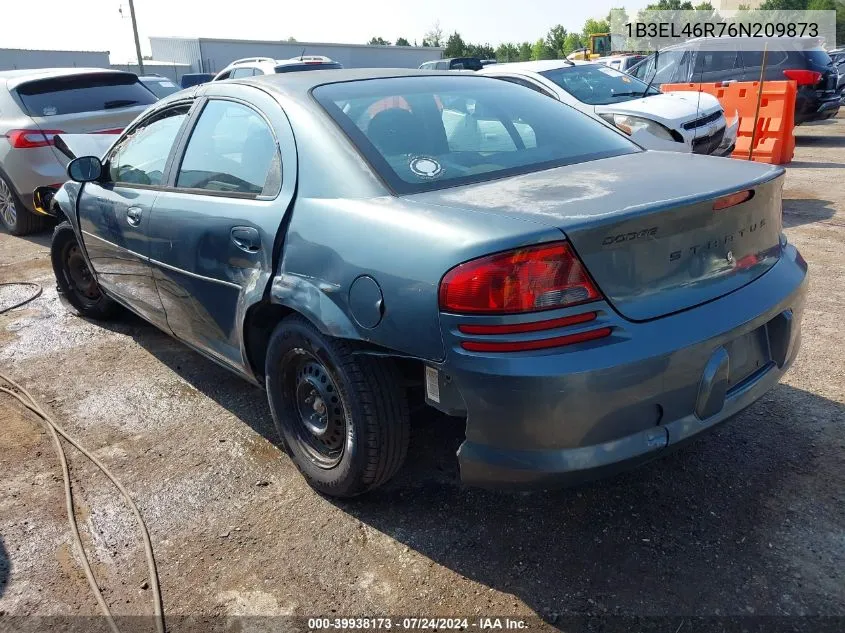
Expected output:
(98, 25)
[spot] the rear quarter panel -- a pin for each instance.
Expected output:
(405, 247)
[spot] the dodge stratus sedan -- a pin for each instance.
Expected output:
(347, 238)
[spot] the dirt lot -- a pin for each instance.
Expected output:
(749, 520)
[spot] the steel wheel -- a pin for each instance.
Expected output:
(8, 210)
(320, 424)
(78, 275)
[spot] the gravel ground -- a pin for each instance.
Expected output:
(749, 520)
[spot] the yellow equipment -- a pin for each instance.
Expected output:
(599, 47)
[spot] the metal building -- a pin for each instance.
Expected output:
(15, 58)
(212, 55)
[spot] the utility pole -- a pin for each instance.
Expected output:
(137, 41)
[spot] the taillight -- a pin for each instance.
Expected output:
(803, 77)
(732, 200)
(524, 280)
(27, 139)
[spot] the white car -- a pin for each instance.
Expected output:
(674, 121)
(251, 66)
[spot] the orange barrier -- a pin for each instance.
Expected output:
(774, 140)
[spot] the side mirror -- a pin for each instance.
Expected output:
(85, 169)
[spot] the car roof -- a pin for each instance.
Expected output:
(14, 78)
(294, 84)
(749, 43)
(538, 66)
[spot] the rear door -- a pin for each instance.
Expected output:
(114, 214)
(214, 229)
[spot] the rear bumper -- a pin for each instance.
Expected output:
(28, 169)
(817, 109)
(580, 413)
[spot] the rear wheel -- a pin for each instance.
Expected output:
(13, 215)
(74, 279)
(343, 417)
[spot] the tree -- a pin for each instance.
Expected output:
(525, 52)
(507, 53)
(481, 51)
(596, 26)
(455, 46)
(670, 5)
(572, 43)
(434, 37)
(401, 41)
(541, 50)
(378, 41)
(556, 39)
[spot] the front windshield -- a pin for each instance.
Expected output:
(422, 132)
(597, 84)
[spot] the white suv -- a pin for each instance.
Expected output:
(251, 66)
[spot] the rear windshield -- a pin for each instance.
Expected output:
(423, 133)
(818, 57)
(292, 68)
(597, 84)
(467, 63)
(160, 87)
(83, 93)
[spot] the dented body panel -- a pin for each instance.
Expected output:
(691, 345)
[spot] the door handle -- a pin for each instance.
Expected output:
(246, 238)
(133, 215)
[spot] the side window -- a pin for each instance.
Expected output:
(227, 75)
(241, 72)
(716, 61)
(142, 155)
(257, 71)
(231, 150)
(442, 65)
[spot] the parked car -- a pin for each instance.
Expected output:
(158, 85)
(340, 238)
(35, 105)
(189, 80)
(453, 63)
(676, 122)
(269, 66)
(802, 60)
(621, 62)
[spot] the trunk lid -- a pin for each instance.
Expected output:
(644, 224)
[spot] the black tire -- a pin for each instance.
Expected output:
(17, 219)
(75, 283)
(360, 392)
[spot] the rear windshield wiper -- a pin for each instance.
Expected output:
(119, 103)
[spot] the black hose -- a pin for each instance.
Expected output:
(35, 295)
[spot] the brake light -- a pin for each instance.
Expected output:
(732, 200)
(803, 77)
(523, 280)
(27, 139)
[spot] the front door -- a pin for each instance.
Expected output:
(213, 230)
(114, 214)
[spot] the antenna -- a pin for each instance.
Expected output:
(302, 54)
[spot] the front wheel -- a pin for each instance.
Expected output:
(343, 417)
(75, 282)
